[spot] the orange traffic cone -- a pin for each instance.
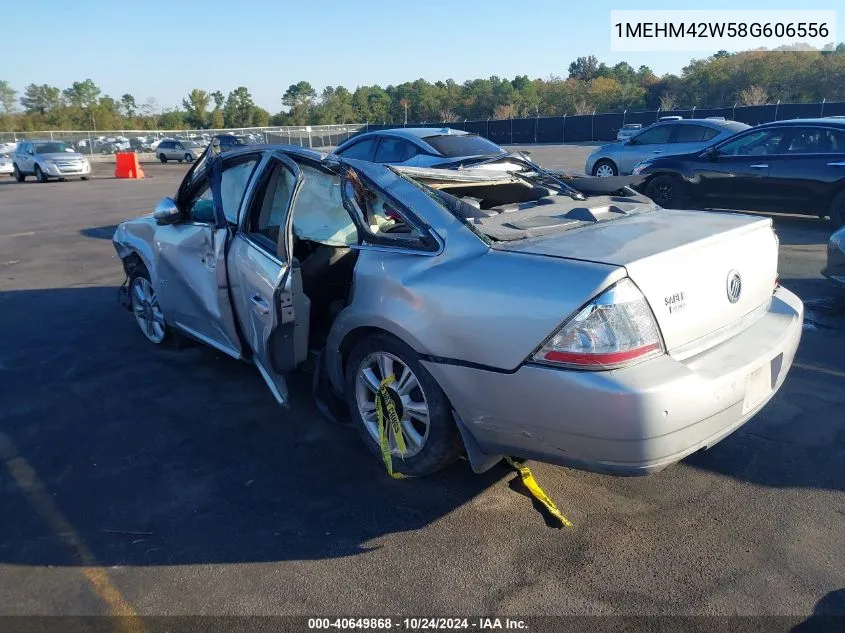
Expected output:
(126, 165)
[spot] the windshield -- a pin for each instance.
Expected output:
(454, 145)
(52, 148)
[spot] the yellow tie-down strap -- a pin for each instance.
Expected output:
(386, 409)
(534, 488)
(385, 406)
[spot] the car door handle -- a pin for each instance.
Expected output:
(759, 166)
(839, 163)
(261, 306)
(657, 151)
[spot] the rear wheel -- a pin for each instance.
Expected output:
(431, 438)
(837, 210)
(39, 175)
(18, 174)
(162, 158)
(605, 168)
(145, 307)
(665, 191)
(188, 158)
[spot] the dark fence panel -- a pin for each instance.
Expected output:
(605, 126)
(550, 129)
(834, 108)
(755, 115)
(500, 131)
(578, 128)
(524, 130)
(476, 127)
(798, 111)
(643, 118)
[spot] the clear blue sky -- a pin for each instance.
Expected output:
(163, 49)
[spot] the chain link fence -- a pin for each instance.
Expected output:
(111, 141)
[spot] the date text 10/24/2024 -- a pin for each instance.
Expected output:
(417, 624)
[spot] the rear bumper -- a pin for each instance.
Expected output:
(632, 421)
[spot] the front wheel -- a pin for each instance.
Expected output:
(188, 158)
(605, 169)
(432, 441)
(145, 307)
(39, 174)
(665, 191)
(162, 158)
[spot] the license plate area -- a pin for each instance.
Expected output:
(758, 385)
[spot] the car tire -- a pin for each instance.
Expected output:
(162, 158)
(837, 210)
(188, 158)
(605, 168)
(18, 174)
(665, 191)
(143, 304)
(440, 444)
(84, 177)
(39, 174)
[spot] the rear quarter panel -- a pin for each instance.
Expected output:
(470, 304)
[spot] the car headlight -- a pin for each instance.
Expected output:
(615, 329)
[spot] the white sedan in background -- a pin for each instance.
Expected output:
(6, 165)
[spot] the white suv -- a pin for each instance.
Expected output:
(49, 159)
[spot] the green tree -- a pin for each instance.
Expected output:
(299, 97)
(260, 117)
(127, 102)
(196, 108)
(7, 97)
(41, 99)
(219, 99)
(584, 68)
(82, 94)
(217, 120)
(239, 108)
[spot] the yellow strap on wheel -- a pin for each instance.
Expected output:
(534, 488)
(384, 404)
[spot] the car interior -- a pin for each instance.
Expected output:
(323, 235)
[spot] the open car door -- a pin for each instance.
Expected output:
(265, 280)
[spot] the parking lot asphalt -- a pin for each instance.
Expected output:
(167, 481)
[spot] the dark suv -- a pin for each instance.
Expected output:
(228, 141)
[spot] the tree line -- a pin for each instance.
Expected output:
(723, 79)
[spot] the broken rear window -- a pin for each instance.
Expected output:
(454, 145)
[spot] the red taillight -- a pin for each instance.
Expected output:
(612, 358)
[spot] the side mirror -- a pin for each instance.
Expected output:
(631, 141)
(712, 154)
(166, 212)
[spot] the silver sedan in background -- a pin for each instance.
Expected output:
(661, 139)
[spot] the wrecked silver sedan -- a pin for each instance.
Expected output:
(517, 313)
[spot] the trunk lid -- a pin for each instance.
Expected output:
(684, 263)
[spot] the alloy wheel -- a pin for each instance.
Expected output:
(407, 395)
(147, 311)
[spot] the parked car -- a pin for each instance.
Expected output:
(628, 130)
(171, 149)
(228, 141)
(504, 313)
(670, 137)
(419, 147)
(796, 166)
(835, 268)
(6, 163)
(49, 159)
